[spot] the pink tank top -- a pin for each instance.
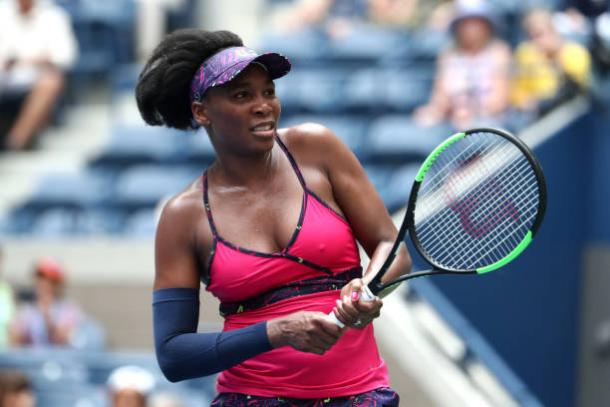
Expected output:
(321, 257)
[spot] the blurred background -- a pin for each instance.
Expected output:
(82, 180)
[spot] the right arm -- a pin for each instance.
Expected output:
(183, 353)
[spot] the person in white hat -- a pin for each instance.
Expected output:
(473, 76)
(130, 386)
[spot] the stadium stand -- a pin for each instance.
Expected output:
(363, 88)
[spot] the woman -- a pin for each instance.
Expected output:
(549, 69)
(472, 80)
(271, 229)
(51, 319)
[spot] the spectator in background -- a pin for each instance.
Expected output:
(338, 18)
(16, 390)
(472, 80)
(130, 386)
(7, 306)
(37, 46)
(50, 319)
(411, 14)
(548, 69)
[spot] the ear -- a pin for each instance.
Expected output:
(199, 111)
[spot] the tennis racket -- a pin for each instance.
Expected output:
(475, 205)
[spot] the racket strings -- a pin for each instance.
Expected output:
(435, 201)
(465, 239)
(480, 211)
(439, 201)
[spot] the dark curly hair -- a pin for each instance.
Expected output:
(163, 88)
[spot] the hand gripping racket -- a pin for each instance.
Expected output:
(475, 205)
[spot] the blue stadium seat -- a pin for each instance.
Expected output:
(397, 139)
(304, 47)
(366, 44)
(398, 186)
(80, 190)
(319, 90)
(101, 221)
(197, 148)
(54, 223)
(408, 88)
(142, 223)
(134, 144)
(144, 186)
(375, 90)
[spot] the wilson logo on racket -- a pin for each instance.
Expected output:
(469, 209)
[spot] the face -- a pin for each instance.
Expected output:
(128, 398)
(22, 398)
(540, 29)
(241, 116)
(473, 33)
(47, 289)
(25, 5)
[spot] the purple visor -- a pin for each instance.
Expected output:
(225, 65)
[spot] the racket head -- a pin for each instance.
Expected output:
(477, 202)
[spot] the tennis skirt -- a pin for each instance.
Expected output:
(376, 398)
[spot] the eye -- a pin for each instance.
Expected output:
(270, 92)
(242, 94)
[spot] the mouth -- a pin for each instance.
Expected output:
(265, 129)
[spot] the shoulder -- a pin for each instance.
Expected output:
(52, 13)
(180, 210)
(574, 50)
(312, 142)
(500, 48)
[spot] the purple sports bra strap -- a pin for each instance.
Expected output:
(206, 204)
(292, 161)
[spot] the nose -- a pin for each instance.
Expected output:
(262, 107)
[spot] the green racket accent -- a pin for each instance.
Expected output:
(434, 155)
(510, 256)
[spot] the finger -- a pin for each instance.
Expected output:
(349, 307)
(368, 307)
(331, 328)
(342, 315)
(323, 338)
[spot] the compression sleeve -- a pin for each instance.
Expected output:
(182, 353)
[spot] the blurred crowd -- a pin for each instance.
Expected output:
(486, 74)
(490, 72)
(42, 316)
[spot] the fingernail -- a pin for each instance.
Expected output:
(355, 295)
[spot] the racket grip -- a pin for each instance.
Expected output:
(365, 295)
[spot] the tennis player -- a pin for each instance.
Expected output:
(270, 228)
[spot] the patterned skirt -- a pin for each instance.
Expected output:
(383, 397)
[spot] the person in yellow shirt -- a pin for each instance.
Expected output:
(546, 65)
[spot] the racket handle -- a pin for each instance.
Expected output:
(365, 295)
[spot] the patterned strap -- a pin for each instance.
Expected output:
(293, 162)
(298, 288)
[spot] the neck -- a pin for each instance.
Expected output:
(245, 170)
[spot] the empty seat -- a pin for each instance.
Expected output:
(397, 139)
(366, 44)
(375, 90)
(142, 223)
(78, 190)
(130, 144)
(144, 186)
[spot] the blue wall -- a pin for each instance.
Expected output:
(529, 311)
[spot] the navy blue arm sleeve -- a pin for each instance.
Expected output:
(182, 353)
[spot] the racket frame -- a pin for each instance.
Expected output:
(408, 221)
